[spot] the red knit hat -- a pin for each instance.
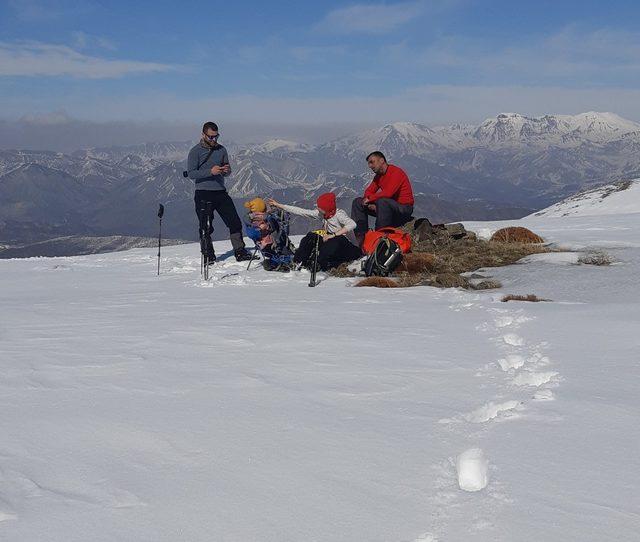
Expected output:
(327, 204)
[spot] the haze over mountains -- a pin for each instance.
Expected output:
(503, 168)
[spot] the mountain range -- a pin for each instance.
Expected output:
(503, 168)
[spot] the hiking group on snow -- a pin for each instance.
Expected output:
(388, 198)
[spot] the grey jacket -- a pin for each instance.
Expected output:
(335, 223)
(202, 175)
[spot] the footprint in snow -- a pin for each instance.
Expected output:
(533, 379)
(513, 340)
(543, 395)
(491, 410)
(487, 412)
(512, 361)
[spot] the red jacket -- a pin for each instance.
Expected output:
(393, 184)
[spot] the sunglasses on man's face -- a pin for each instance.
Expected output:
(212, 137)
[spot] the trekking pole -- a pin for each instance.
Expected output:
(160, 215)
(255, 251)
(314, 268)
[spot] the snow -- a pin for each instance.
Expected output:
(606, 200)
(472, 467)
(252, 407)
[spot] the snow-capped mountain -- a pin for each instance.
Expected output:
(280, 146)
(504, 167)
(174, 150)
(506, 129)
(397, 139)
(557, 130)
(612, 199)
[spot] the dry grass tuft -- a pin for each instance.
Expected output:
(343, 271)
(417, 262)
(378, 282)
(486, 285)
(449, 280)
(516, 234)
(596, 257)
(439, 257)
(530, 297)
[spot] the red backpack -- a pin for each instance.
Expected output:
(371, 238)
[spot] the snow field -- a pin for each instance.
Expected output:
(252, 407)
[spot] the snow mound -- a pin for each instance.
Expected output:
(617, 198)
(472, 466)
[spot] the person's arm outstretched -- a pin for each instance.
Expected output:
(311, 213)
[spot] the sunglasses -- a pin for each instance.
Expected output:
(212, 137)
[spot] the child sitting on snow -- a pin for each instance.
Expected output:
(266, 230)
(257, 218)
(333, 246)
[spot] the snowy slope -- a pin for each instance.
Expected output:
(612, 199)
(255, 408)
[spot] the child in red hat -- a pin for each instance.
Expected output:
(334, 247)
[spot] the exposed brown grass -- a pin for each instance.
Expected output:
(407, 280)
(342, 271)
(516, 234)
(529, 297)
(469, 255)
(378, 282)
(596, 257)
(417, 262)
(439, 259)
(450, 280)
(486, 285)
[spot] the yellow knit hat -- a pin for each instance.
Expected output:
(256, 205)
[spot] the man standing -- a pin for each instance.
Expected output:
(389, 197)
(208, 165)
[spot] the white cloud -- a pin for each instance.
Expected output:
(371, 18)
(82, 40)
(571, 55)
(42, 59)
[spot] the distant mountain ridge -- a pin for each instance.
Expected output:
(505, 167)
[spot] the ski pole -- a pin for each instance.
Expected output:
(255, 251)
(312, 280)
(160, 215)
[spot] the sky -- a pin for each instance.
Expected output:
(314, 64)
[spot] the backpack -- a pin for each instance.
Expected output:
(384, 258)
(280, 250)
(402, 238)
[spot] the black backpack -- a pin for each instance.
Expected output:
(384, 259)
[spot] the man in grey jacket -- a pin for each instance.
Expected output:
(208, 165)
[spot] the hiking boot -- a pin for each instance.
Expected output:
(243, 255)
(279, 267)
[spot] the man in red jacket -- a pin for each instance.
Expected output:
(389, 197)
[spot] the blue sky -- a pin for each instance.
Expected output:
(430, 61)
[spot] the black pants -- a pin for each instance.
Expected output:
(388, 213)
(331, 253)
(209, 201)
